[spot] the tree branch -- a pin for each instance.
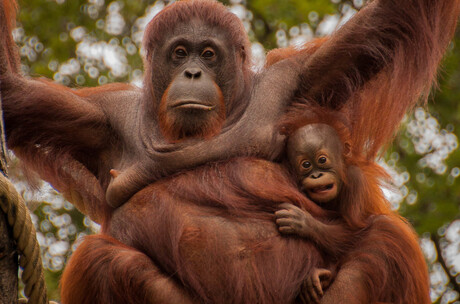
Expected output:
(442, 261)
(8, 253)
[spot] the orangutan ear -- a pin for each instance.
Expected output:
(347, 149)
(243, 54)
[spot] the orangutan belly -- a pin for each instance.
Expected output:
(221, 257)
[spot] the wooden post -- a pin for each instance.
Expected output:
(8, 253)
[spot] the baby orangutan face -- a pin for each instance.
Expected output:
(315, 153)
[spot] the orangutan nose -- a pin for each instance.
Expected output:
(316, 175)
(192, 73)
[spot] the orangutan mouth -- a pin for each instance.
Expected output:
(322, 189)
(193, 105)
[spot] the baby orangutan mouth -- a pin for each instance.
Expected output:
(322, 193)
(322, 189)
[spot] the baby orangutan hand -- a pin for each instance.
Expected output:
(291, 219)
(314, 285)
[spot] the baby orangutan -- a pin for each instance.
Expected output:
(315, 156)
(369, 247)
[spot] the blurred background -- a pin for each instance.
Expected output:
(92, 42)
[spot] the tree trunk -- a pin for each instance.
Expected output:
(8, 253)
(8, 264)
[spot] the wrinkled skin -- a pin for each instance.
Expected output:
(193, 104)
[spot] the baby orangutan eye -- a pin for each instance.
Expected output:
(322, 160)
(306, 164)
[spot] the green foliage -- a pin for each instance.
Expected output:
(274, 14)
(290, 12)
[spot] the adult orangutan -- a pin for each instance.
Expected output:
(207, 234)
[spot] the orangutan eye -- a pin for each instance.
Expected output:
(180, 52)
(306, 164)
(322, 160)
(208, 53)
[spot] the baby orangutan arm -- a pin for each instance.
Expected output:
(333, 237)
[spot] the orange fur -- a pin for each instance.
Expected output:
(386, 257)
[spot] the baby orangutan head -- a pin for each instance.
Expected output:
(315, 152)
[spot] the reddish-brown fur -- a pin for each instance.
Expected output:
(385, 256)
(385, 263)
(410, 65)
(121, 273)
(9, 15)
(172, 236)
(277, 55)
(246, 261)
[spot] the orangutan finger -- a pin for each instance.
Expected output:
(283, 213)
(286, 230)
(284, 222)
(325, 276)
(312, 290)
(316, 282)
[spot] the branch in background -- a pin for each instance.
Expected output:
(442, 261)
(8, 253)
(3, 154)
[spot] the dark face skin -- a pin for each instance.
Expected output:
(190, 70)
(315, 153)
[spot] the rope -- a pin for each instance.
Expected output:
(30, 260)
